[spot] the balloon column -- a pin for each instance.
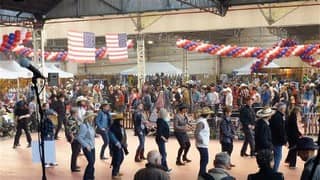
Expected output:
(15, 43)
(284, 48)
(12, 40)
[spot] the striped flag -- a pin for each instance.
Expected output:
(117, 47)
(81, 47)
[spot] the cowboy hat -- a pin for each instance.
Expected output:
(117, 116)
(205, 111)
(89, 114)
(104, 103)
(266, 84)
(183, 106)
(81, 98)
(265, 112)
(243, 85)
(306, 143)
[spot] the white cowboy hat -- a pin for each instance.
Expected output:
(243, 85)
(81, 98)
(265, 112)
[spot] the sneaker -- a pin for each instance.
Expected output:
(29, 145)
(54, 164)
(47, 165)
(169, 171)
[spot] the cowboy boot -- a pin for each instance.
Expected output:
(142, 155)
(137, 156)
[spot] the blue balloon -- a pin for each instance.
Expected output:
(11, 36)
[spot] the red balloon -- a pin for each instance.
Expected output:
(5, 38)
(28, 34)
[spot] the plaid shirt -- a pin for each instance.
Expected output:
(72, 126)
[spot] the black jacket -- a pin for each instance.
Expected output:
(263, 139)
(60, 108)
(278, 131)
(119, 133)
(247, 116)
(292, 129)
(266, 174)
(162, 129)
(226, 131)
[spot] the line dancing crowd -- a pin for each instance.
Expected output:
(87, 111)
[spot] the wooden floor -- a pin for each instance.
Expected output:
(16, 164)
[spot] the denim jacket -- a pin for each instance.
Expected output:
(86, 135)
(103, 120)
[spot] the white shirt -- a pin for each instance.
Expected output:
(81, 113)
(229, 99)
(203, 136)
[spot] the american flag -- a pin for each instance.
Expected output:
(81, 47)
(117, 47)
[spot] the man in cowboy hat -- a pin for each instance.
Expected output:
(81, 106)
(278, 132)
(263, 138)
(247, 119)
(118, 145)
(306, 149)
(103, 122)
(228, 97)
(202, 135)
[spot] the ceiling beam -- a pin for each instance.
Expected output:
(218, 7)
(106, 2)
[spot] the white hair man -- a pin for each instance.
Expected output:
(153, 169)
(221, 164)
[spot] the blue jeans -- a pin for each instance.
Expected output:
(277, 152)
(162, 150)
(141, 137)
(105, 138)
(204, 159)
(90, 156)
(117, 158)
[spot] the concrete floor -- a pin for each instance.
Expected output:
(16, 164)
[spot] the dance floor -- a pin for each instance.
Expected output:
(16, 164)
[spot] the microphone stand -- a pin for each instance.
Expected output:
(317, 159)
(40, 127)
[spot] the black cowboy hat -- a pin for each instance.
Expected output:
(306, 143)
(183, 106)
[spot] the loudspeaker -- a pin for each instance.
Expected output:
(53, 79)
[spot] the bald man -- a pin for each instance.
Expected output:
(153, 169)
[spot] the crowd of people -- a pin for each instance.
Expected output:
(87, 111)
